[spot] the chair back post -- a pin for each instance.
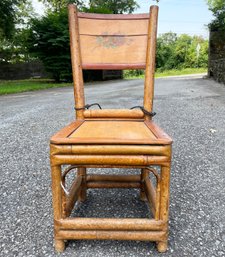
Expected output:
(150, 60)
(76, 61)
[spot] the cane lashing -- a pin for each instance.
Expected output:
(150, 114)
(87, 106)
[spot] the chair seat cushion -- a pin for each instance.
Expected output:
(115, 132)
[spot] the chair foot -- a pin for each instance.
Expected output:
(162, 247)
(59, 245)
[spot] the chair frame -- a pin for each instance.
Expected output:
(80, 157)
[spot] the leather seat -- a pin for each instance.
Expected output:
(107, 132)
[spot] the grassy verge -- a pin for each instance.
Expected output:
(170, 73)
(18, 86)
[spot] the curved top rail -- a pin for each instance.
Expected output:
(97, 16)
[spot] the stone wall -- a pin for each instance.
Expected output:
(34, 69)
(216, 68)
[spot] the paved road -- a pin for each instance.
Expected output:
(190, 109)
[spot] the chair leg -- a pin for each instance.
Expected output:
(164, 202)
(59, 245)
(57, 202)
(83, 193)
(144, 174)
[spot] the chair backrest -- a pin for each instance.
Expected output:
(112, 41)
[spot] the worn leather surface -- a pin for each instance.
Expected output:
(112, 132)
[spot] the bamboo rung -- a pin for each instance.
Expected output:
(110, 149)
(113, 160)
(110, 224)
(114, 178)
(109, 184)
(114, 113)
(112, 235)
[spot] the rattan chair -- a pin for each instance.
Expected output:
(109, 138)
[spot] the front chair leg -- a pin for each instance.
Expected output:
(162, 247)
(59, 245)
(57, 202)
(164, 203)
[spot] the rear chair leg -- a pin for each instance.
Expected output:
(83, 192)
(144, 174)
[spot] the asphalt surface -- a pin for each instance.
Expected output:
(189, 109)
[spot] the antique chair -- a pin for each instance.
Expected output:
(109, 138)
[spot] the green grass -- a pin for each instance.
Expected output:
(171, 73)
(181, 72)
(18, 86)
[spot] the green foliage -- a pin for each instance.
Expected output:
(13, 13)
(215, 5)
(58, 5)
(14, 16)
(15, 49)
(218, 9)
(96, 9)
(94, 6)
(112, 6)
(7, 19)
(165, 52)
(9, 15)
(49, 41)
(177, 52)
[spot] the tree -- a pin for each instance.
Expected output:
(181, 48)
(215, 5)
(196, 59)
(218, 9)
(58, 5)
(112, 6)
(8, 17)
(165, 55)
(175, 52)
(14, 17)
(12, 13)
(15, 50)
(97, 6)
(48, 41)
